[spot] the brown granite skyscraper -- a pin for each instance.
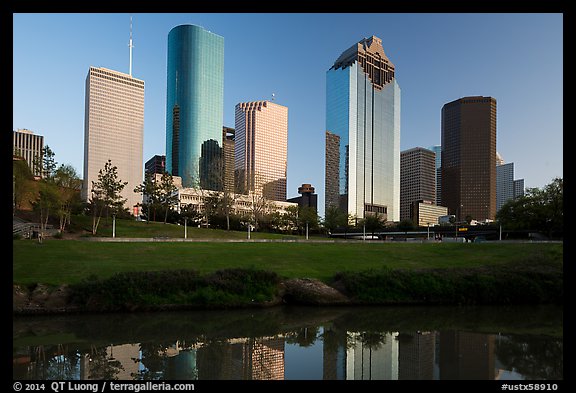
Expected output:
(469, 158)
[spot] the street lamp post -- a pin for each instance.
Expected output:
(185, 227)
(113, 225)
(428, 235)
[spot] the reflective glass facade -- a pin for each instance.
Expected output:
(194, 104)
(363, 109)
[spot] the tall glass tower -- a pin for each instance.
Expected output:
(363, 110)
(194, 105)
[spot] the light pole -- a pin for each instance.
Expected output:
(185, 227)
(458, 212)
(428, 235)
(113, 225)
(306, 230)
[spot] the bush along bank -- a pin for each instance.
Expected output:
(528, 284)
(132, 291)
(233, 288)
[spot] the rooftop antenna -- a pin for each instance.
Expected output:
(130, 46)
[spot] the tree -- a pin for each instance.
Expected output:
(106, 193)
(307, 218)
(23, 179)
(45, 165)
(373, 222)
(167, 193)
(538, 210)
(334, 218)
(69, 185)
(150, 190)
(47, 201)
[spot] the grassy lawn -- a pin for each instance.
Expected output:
(68, 261)
(141, 229)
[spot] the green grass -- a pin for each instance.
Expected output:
(57, 262)
(141, 229)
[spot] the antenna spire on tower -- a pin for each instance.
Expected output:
(130, 46)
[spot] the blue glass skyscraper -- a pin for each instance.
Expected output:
(194, 105)
(363, 112)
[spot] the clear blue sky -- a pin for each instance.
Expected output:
(516, 58)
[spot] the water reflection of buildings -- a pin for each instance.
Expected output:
(349, 355)
(466, 355)
(416, 355)
(242, 359)
(408, 355)
(360, 356)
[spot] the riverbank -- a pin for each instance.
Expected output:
(511, 284)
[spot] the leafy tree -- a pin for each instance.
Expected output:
(307, 217)
(167, 193)
(45, 165)
(189, 215)
(47, 201)
(69, 185)
(334, 218)
(538, 210)
(150, 190)
(106, 193)
(405, 225)
(290, 218)
(22, 183)
(373, 222)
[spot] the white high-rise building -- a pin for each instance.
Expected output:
(29, 146)
(114, 130)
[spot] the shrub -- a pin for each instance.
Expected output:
(185, 287)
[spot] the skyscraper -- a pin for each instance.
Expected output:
(438, 150)
(417, 178)
(29, 146)
(332, 174)
(194, 104)
(363, 109)
(261, 148)
(228, 137)
(506, 187)
(469, 158)
(504, 184)
(114, 129)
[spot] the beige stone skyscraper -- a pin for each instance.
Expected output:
(114, 129)
(261, 148)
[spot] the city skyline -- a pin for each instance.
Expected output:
(435, 66)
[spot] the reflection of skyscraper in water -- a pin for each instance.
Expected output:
(416, 355)
(372, 358)
(334, 353)
(466, 355)
(242, 359)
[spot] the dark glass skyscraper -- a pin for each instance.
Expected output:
(194, 104)
(469, 158)
(363, 110)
